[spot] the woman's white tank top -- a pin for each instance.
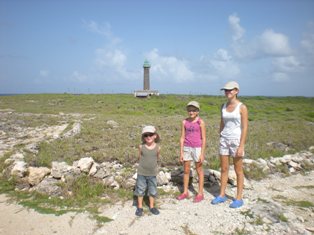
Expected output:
(232, 123)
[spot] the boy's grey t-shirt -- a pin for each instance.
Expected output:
(148, 161)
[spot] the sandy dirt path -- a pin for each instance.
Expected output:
(176, 217)
(18, 220)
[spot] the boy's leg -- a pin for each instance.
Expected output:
(151, 202)
(200, 173)
(140, 191)
(139, 202)
(238, 167)
(141, 186)
(152, 189)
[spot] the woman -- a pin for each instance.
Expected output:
(233, 132)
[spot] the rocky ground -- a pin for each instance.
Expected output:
(270, 208)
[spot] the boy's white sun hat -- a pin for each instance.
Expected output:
(231, 85)
(149, 129)
(194, 103)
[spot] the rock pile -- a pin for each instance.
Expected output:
(115, 175)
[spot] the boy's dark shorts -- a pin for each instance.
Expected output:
(144, 183)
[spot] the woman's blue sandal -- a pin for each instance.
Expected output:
(236, 203)
(218, 200)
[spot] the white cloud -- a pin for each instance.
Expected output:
(103, 29)
(110, 58)
(44, 73)
(269, 48)
(222, 55)
(285, 68)
(223, 64)
(78, 77)
(274, 44)
(308, 39)
(237, 30)
(280, 77)
(268, 44)
(169, 67)
(286, 64)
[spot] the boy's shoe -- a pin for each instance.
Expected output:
(182, 196)
(198, 198)
(236, 203)
(139, 212)
(154, 211)
(218, 200)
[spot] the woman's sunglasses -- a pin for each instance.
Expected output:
(228, 90)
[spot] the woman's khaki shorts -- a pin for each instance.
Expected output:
(228, 147)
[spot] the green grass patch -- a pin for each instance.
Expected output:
(86, 196)
(304, 204)
(305, 186)
(290, 202)
(287, 120)
(252, 172)
(258, 221)
(282, 217)
(271, 120)
(247, 213)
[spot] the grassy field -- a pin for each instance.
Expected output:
(287, 120)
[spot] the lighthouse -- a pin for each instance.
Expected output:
(146, 92)
(146, 67)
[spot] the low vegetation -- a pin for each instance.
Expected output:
(286, 120)
(297, 203)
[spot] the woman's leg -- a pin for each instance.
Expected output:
(224, 164)
(238, 167)
(200, 173)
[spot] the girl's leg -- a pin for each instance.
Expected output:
(200, 173)
(224, 164)
(186, 176)
(238, 167)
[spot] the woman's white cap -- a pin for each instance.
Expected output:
(149, 129)
(231, 85)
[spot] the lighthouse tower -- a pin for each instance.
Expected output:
(146, 92)
(146, 67)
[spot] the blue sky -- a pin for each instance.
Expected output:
(194, 47)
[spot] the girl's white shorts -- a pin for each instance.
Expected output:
(191, 154)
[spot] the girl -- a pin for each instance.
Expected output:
(192, 148)
(147, 170)
(233, 132)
